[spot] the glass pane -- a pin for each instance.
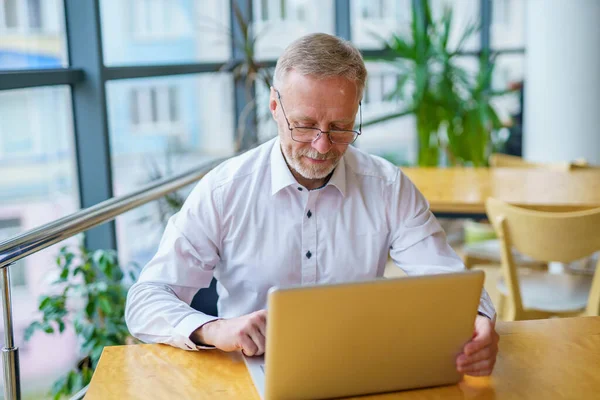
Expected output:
(394, 140)
(509, 73)
(465, 13)
(277, 23)
(39, 185)
(159, 127)
(508, 24)
(373, 19)
(32, 34)
(165, 31)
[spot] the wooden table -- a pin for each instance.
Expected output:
(545, 359)
(465, 190)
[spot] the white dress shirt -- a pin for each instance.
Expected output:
(251, 225)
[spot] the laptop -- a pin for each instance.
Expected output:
(340, 340)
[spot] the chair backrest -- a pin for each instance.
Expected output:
(500, 160)
(549, 236)
(546, 236)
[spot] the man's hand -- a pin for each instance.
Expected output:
(479, 355)
(246, 333)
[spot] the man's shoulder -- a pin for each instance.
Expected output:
(239, 167)
(368, 165)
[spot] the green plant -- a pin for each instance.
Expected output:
(452, 108)
(90, 295)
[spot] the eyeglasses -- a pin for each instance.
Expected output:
(305, 134)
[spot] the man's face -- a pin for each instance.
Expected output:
(330, 103)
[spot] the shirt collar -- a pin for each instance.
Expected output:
(282, 177)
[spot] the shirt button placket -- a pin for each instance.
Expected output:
(309, 240)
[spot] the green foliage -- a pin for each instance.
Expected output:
(452, 108)
(90, 295)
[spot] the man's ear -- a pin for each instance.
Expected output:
(273, 102)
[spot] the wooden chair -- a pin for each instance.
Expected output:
(545, 236)
(488, 252)
(500, 160)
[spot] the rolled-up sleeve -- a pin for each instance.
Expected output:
(158, 304)
(418, 242)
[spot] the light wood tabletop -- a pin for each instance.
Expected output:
(465, 190)
(543, 359)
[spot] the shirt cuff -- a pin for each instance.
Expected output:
(189, 324)
(484, 315)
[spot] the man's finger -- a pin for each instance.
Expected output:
(479, 368)
(483, 354)
(249, 348)
(484, 336)
(259, 340)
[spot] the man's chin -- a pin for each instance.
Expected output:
(316, 173)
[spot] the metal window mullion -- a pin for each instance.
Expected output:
(84, 39)
(486, 22)
(342, 19)
(250, 137)
(22, 79)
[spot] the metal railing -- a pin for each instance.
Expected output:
(38, 239)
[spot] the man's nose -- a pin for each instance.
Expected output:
(322, 144)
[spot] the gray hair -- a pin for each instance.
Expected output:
(322, 56)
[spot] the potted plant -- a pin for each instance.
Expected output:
(452, 108)
(90, 295)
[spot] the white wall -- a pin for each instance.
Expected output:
(562, 84)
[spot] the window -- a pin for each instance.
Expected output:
(186, 120)
(21, 128)
(9, 228)
(279, 22)
(159, 19)
(32, 34)
(501, 12)
(395, 139)
(508, 24)
(509, 73)
(381, 18)
(465, 13)
(165, 31)
(10, 11)
(155, 108)
(280, 10)
(21, 15)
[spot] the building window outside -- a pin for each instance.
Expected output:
(155, 108)
(20, 130)
(282, 10)
(23, 16)
(159, 19)
(501, 12)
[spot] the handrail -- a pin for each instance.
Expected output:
(81, 394)
(34, 240)
(53, 232)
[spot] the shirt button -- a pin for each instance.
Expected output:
(308, 214)
(299, 188)
(308, 254)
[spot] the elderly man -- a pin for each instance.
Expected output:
(303, 208)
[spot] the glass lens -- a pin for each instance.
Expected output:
(342, 136)
(304, 134)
